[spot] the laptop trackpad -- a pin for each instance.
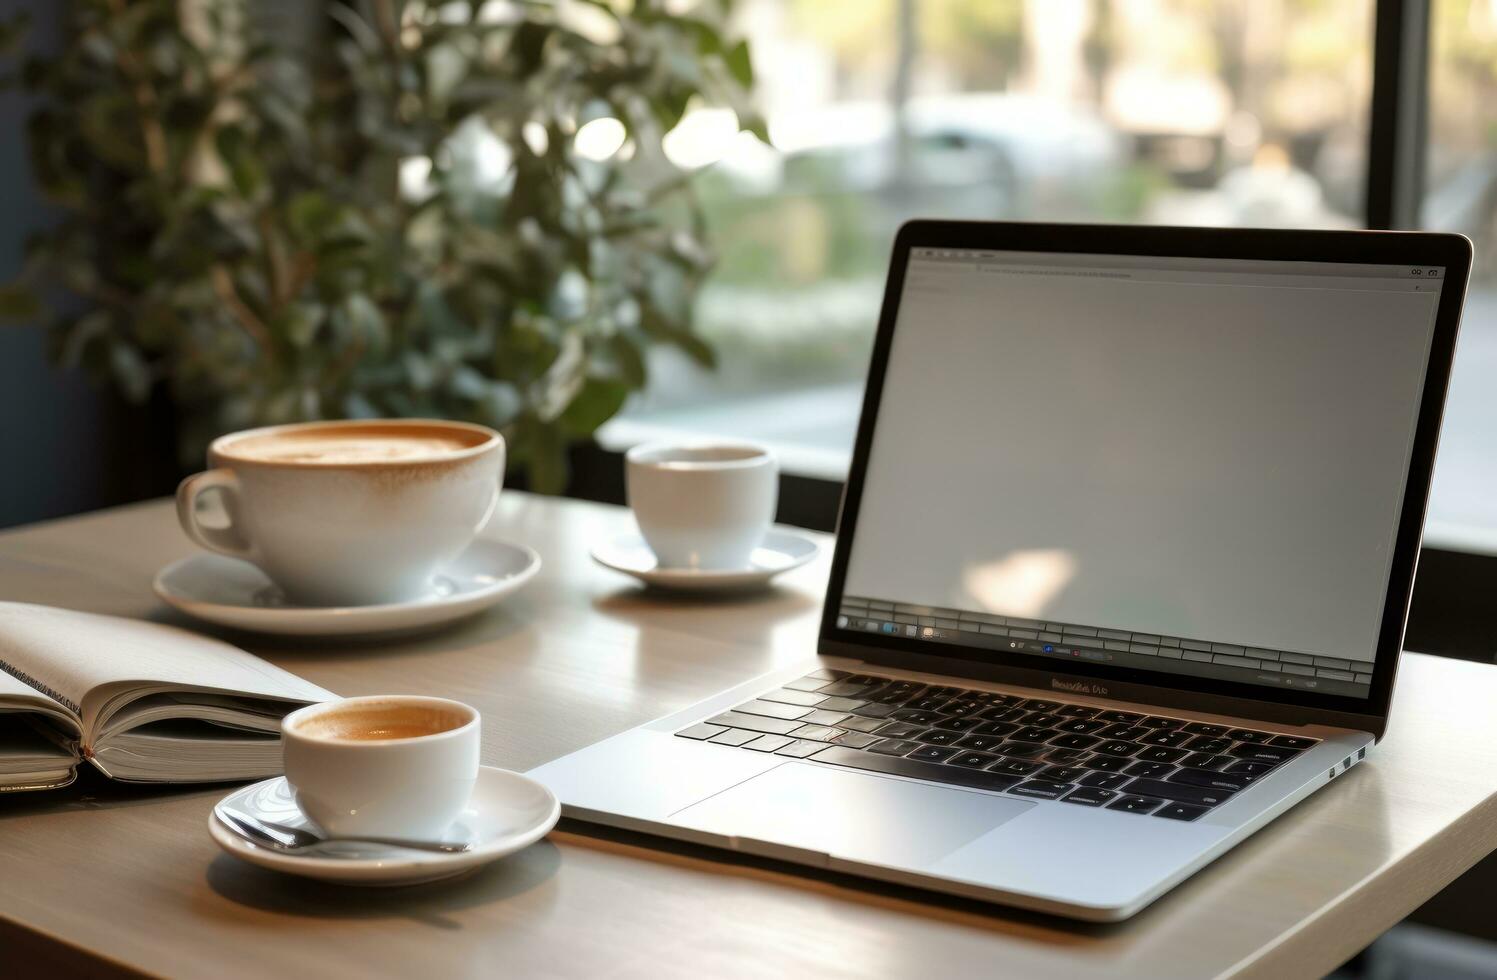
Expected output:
(851, 814)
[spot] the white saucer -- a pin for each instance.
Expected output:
(507, 812)
(781, 551)
(235, 593)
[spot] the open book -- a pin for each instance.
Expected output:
(140, 701)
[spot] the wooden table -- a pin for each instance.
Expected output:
(102, 877)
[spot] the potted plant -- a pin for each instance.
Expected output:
(389, 209)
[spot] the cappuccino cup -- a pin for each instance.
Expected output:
(348, 513)
(398, 766)
(702, 506)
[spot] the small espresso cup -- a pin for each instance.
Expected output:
(348, 513)
(399, 766)
(703, 506)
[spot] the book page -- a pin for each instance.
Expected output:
(72, 655)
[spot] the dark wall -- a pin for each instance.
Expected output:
(63, 446)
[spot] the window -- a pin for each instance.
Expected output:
(1220, 112)
(1461, 195)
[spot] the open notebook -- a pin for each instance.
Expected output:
(140, 701)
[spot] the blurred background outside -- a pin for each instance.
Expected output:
(1186, 112)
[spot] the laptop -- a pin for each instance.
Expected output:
(1122, 567)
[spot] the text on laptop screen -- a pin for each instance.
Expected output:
(1182, 465)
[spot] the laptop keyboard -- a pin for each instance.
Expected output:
(1030, 747)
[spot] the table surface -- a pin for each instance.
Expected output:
(129, 875)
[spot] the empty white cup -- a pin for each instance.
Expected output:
(703, 505)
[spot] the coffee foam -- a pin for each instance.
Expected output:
(354, 444)
(367, 722)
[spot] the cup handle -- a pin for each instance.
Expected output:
(225, 540)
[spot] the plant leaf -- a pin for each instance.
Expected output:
(18, 303)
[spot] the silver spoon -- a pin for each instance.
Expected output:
(282, 837)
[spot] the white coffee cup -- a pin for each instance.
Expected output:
(348, 513)
(399, 766)
(706, 505)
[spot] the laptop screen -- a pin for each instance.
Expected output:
(1179, 465)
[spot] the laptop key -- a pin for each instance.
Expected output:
(980, 743)
(1121, 717)
(700, 731)
(1109, 763)
(754, 723)
(931, 753)
(1205, 760)
(1158, 753)
(819, 733)
(1250, 768)
(1065, 757)
(1023, 750)
(818, 717)
(1292, 741)
(1134, 804)
(800, 749)
(1016, 767)
(1081, 726)
(1105, 780)
(1034, 734)
(733, 736)
(1152, 770)
(769, 743)
(1248, 735)
(841, 704)
(958, 724)
(856, 740)
(1180, 811)
(862, 724)
(1232, 783)
(785, 695)
(972, 760)
(846, 688)
(1169, 739)
(1180, 793)
(1126, 733)
(807, 684)
(914, 768)
(874, 710)
(916, 717)
(1076, 711)
(773, 709)
(1262, 753)
(895, 746)
(1064, 774)
(1198, 728)
(1209, 745)
(1002, 714)
(938, 736)
(1041, 719)
(1168, 724)
(899, 729)
(1075, 742)
(1090, 796)
(1116, 748)
(1041, 789)
(827, 673)
(995, 728)
(1034, 704)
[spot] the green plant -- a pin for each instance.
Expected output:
(391, 218)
